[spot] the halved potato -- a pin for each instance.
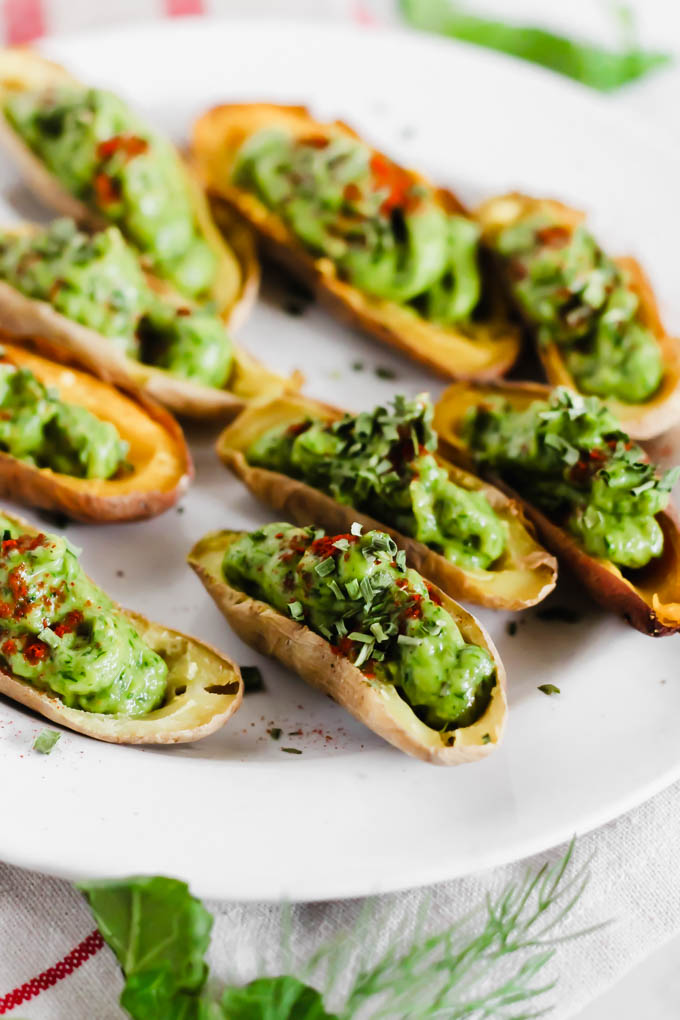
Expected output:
(160, 462)
(62, 338)
(480, 350)
(648, 598)
(372, 702)
(237, 277)
(641, 421)
(523, 576)
(204, 689)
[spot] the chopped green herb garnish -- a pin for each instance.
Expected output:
(357, 366)
(252, 679)
(511, 627)
(291, 750)
(45, 741)
(385, 373)
(275, 732)
(296, 611)
(549, 689)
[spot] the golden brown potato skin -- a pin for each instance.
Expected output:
(204, 690)
(161, 463)
(652, 603)
(486, 350)
(525, 575)
(376, 705)
(641, 421)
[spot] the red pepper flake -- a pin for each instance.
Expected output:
(9, 647)
(106, 189)
(183, 312)
(316, 141)
(352, 192)
(70, 623)
(390, 176)
(554, 236)
(414, 611)
(5, 610)
(344, 647)
(325, 547)
(129, 145)
(17, 583)
(35, 651)
(297, 428)
(434, 594)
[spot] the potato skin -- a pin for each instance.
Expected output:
(493, 345)
(652, 605)
(641, 421)
(529, 575)
(98, 501)
(378, 706)
(190, 715)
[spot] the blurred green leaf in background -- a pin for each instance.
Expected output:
(595, 66)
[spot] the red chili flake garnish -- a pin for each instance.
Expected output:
(390, 176)
(316, 141)
(598, 455)
(401, 582)
(35, 651)
(352, 192)
(9, 544)
(9, 647)
(414, 611)
(297, 428)
(554, 236)
(279, 534)
(5, 610)
(130, 145)
(183, 312)
(434, 594)
(344, 647)
(324, 547)
(17, 583)
(70, 623)
(107, 189)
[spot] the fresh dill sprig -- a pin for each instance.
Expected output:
(486, 966)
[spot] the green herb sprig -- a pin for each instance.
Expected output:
(487, 965)
(595, 66)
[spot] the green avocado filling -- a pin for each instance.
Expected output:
(356, 591)
(104, 155)
(98, 281)
(569, 456)
(382, 463)
(39, 428)
(62, 634)
(579, 298)
(385, 233)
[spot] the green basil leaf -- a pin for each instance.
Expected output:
(154, 926)
(594, 66)
(281, 998)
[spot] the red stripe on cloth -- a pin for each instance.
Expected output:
(24, 20)
(76, 958)
(179, 8)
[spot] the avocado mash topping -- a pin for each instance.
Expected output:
(356, 591)
(61, 633)
(98, 281)
(105, 155)
(580, 299)
(570, 457)
(385, 232)
(382, 462)
(39, 428)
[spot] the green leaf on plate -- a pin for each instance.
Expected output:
(281, 998)
(596, 66)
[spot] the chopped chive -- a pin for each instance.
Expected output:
(45, 741)
(325, 567)
(291, 750)
(549, 689)
(295, 610)
(275, 732)
(406, 639)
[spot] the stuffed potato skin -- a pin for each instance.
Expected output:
(377, 705)
(486, 350)
(650, 601)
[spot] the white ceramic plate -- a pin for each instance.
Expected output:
(233, 814)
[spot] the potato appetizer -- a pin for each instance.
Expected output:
(595, 318)
(381, 469)
(594, 497)
(91, 302)
(70, 653)
(89, 156)
(380, 245)
(352, 620)
(70, 442)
